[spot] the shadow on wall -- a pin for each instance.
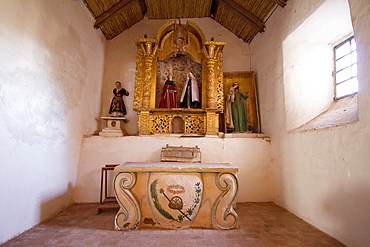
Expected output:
(349, 210)
(54, 205)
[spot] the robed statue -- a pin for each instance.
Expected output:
(236, 110)
(117, 107)
(190, 93)
(169, 94)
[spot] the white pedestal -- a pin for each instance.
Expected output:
(113, 126)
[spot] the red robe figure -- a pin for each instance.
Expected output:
(169, 94)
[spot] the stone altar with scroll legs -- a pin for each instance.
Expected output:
(173, 195)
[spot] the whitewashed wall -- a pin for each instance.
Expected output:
(251, 155)
(323, 176)
(120, 61)
(50, 85)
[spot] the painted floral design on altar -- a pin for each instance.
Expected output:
(176, 189)
(175, 202)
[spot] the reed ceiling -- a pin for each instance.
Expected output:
(244, 18)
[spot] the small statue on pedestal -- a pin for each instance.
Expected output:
(117, 107)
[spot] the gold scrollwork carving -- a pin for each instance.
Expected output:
(139, 80)
(149, 49)
(194, 124)
(211, 102)
(212, 123)
(220, 85)
(143, 123)
(213, 51)
(147, 80)
(160, 124)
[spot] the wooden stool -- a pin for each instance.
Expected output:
(108, 201)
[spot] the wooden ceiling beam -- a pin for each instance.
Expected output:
(244, 14)
(281, 3)
(111, 12)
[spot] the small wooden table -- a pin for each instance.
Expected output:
(108, 202)
(173, 195)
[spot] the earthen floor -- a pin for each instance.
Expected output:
(260, 224)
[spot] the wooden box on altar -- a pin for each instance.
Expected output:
(180, 154)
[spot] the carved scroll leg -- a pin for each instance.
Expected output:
(224, 215)
(128, 216)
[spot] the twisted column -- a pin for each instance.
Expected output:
(149, 49)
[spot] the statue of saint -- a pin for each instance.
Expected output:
(169, 94)
(117, 107)
(190, 93)
(236, 111)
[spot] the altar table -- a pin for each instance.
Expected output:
(173, 195)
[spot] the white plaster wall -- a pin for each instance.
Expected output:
(50, 85)
(322, 176)
(120, 61)
(308, 72)
(250, 155)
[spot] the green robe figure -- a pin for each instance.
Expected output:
(236, 116)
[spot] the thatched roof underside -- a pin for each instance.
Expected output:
(244, 18)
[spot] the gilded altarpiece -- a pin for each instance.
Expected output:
(177, 50)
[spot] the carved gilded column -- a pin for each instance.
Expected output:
(147, 49)
(213, 52)
(220, 84)
(211, 82)
(139, 80)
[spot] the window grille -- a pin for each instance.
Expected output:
(345, 56)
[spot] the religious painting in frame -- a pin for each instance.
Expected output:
(246, 81)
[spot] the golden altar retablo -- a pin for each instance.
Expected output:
(178, 49)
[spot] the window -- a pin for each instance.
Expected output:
(345, 68)
(311, 78)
